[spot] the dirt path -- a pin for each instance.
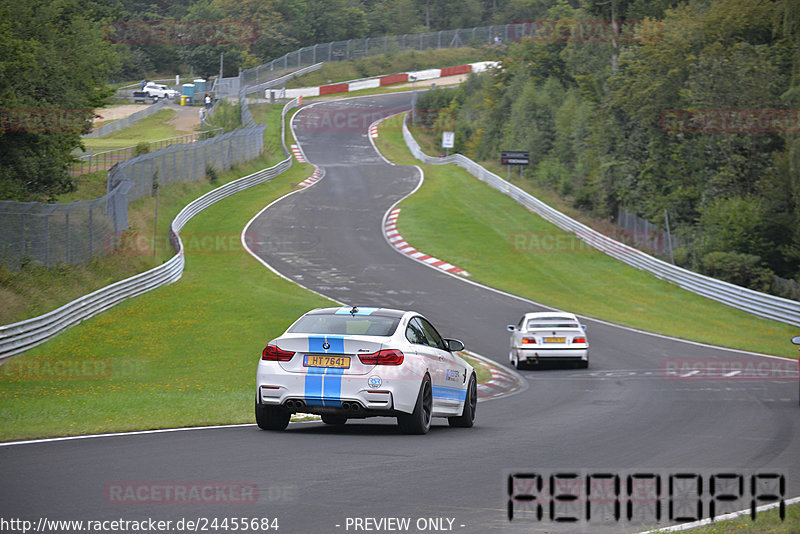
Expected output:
(186, 119)
(116, 112)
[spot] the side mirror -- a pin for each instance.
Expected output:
(796, 340)
(454, 345)
(511, 328)
(584, 327)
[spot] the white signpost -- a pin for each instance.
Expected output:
(448, 141)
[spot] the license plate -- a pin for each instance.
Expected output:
(555, 340)
(325, 360)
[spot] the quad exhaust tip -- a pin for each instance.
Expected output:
(300, 404)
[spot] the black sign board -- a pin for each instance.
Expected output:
(515, 157)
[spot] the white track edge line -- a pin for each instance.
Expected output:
(725, 517)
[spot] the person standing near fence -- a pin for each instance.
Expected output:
(208, 101)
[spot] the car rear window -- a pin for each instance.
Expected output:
(361, 325)
(555, 322)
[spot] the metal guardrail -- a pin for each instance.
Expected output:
(754, 302)
(19, 337)
(282, 80)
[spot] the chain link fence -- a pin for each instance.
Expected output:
(53, 234)
(644, 235)
(186, 163)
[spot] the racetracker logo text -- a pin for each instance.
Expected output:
(327, 119)
(731, 121)
(587, 31)
(45, 120)
(181, 32)
(181, 493)
(729, 369)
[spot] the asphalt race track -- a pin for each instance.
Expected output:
(622, 416)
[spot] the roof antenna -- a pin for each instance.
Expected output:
(354, 311)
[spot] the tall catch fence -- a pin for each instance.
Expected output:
(53, 234)
(645, 235)
(186, 163)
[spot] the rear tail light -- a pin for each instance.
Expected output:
(274, 354)
(382, 357)
(579, 340)
(529, 341)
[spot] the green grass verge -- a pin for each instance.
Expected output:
(181, 355)
(768, 522)
(152, 128)
(459, 219)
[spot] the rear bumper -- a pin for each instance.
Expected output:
(533, 355)
(350, 395)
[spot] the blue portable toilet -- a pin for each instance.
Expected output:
(199, 87)
(188, 92)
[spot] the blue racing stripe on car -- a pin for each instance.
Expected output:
(449, 393)
(317, 344)
(314, 381)
(332, 390)
(359, 311)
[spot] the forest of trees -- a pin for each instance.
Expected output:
(701, 122)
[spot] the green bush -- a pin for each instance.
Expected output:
(211, 174)
(141, 148)
(744, 270)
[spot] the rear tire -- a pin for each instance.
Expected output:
(583, 364)
(467, 417)
(419, 421)
(333, 419)
(272, 417)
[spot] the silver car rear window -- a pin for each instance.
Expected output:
(341, 324)
(532, 325)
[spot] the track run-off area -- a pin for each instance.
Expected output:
(626, 416)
